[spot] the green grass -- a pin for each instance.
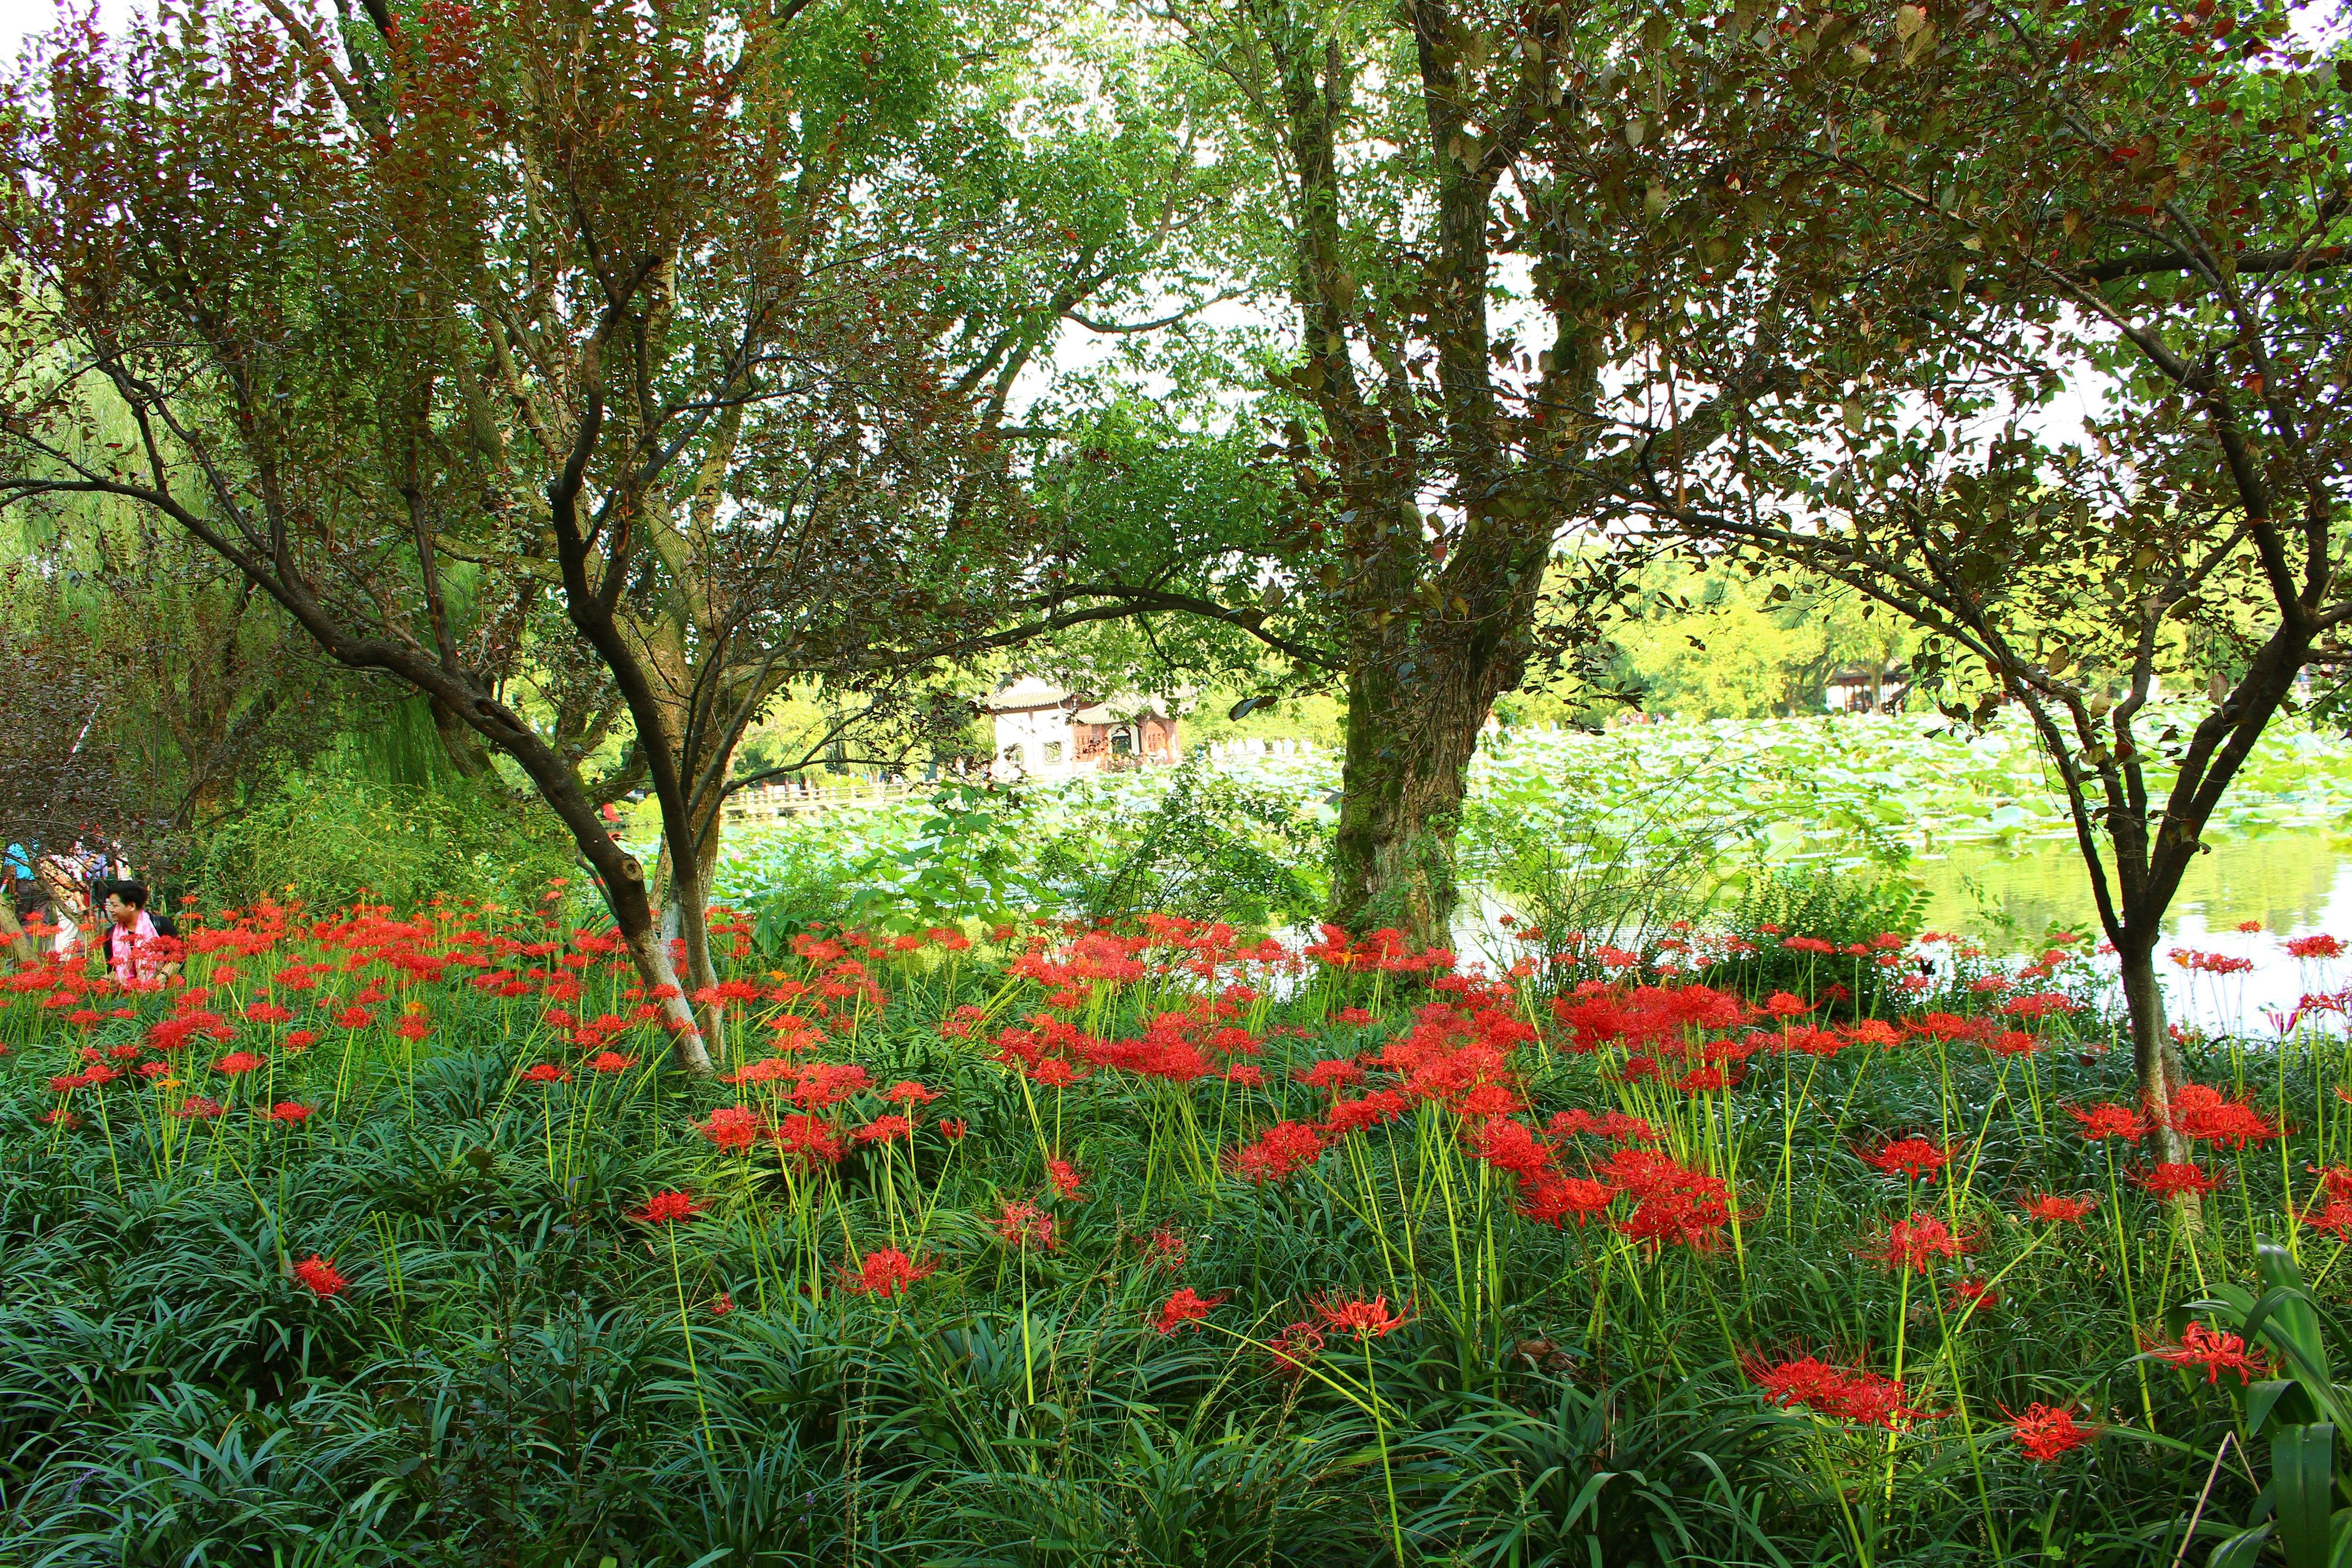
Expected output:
(517, 1372)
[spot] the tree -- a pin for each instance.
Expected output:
(1980, 217)
(1461, 232)
(432, 325)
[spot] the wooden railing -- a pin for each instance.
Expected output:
(815, 797)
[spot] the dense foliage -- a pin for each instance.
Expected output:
(1632, 826)
(376, 1239)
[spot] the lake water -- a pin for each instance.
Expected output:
(2296, 882)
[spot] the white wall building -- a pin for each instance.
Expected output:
(1045, 732)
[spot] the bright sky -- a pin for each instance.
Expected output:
(20, 18)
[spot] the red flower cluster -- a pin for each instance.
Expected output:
(2171, 1181)
(1366, 1320)
(885, 1273)
(2047, 1434)
(1185, 1306)
(1916, 1243)
(1842, 1393)
(318, 1277)
(666, 1208)
(2109, 1121)
(2049, 1208)
(2201, 1113)
(1915, 1158)
(2215, 1351)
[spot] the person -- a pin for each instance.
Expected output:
(69, 904)
(130, 939)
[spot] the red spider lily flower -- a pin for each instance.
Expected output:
(154, 1069)
(547, 1072)
(1487, 1099)
(1186, 1305)
(2109, 1121)
(1552, 1200)
(2334, 1220)
(665, 1208)
(721, 1304)
(1914, 1157)
(2050, 1209)
(1616, 1127)
(237, 1064)
(198, 1108)
(1873, 1032)
(1293, 1348)
(1781, 1004)
(2336, 1179)
(2215, 1351)
(885, 1273)
(1023, 1223)
(292, 1112)
(1066, 1178)
(1332, 1075)
(1916, 1243)
(2201, 1113)
(1164, 1248)
(1249, 1075)
(1365, 1320)
(2047, 1436)
(611, 1061)
(353, 1018)
(1282, 1150)
(318, 1277)
(906, 1092)
(1053, 1072)
(2315, 946)
(1840, 1393)
(1375, 1109)
(1973, 1295)
(2175, 1180)
(300, 1040)
(413, 1030)
(1691, 1214)
(2012, 1043)
(809, 1138)
(885, 1129)
(66, 1083)
(1512, 1146)
(267, 1013)
(732, 1127)
(953, 1128)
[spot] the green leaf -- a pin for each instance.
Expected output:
(2264, 1399)
(2303, 1484)
(2242, 1550)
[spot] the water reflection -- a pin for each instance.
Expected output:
(2292, 883)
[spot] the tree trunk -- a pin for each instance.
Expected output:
(19, 945)
(623, 881)
(1402, 783)
(2157, 1062)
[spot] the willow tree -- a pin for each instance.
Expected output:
(2060, 301)
(1466, 198)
